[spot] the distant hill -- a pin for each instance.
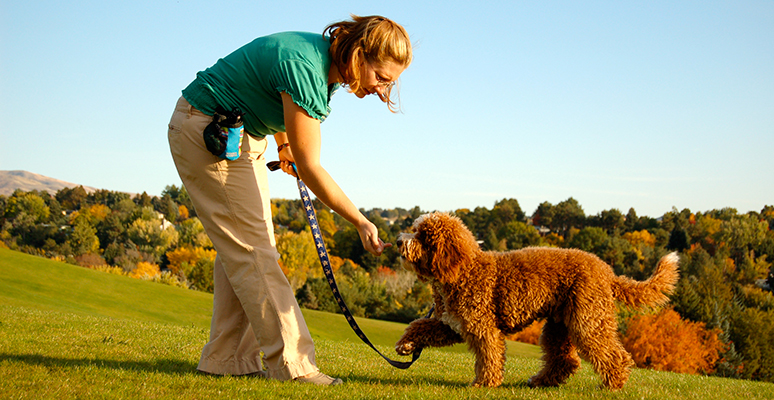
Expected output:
(26, 181)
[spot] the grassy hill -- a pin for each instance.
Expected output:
(69, 332)
(50, 285)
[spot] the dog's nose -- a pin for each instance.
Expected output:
(399, 242)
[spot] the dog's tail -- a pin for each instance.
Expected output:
(652, 292)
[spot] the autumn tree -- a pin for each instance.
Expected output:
(640, 239)
(704, 230)
(192, 265)
(530, 334)
(182, 259)
(145, 270)
(666, 342)
(298, 257)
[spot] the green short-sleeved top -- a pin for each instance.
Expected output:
(252, 78)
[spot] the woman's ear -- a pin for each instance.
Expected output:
(353, 67)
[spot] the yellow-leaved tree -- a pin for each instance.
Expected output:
(298, 257)
(145, 270)
(181, 258)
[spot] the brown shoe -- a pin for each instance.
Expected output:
(319, 379)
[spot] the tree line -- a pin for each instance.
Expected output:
(724, 289)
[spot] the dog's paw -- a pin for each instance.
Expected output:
(541, 381)
(405, 348)
(486, 383)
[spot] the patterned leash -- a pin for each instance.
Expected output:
(311, 217)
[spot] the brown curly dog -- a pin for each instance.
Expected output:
(482, 296)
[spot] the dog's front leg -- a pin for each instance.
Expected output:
(489, 349)
(426, 332)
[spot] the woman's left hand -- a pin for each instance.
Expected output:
(287, 161)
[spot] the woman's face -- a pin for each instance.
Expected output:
(376, 78)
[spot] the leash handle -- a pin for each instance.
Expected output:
(322, 253)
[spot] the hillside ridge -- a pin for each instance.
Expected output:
(27, 181)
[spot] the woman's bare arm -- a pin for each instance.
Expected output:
(303, 134)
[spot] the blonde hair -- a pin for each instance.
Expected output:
(373, 39)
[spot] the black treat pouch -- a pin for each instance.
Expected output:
(223, 136)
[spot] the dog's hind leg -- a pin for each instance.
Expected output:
(597, 340)
(560, 360)
(490, 358)
(426, 332)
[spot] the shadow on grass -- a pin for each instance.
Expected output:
(425, 381)
(165, 366)
(365, 379)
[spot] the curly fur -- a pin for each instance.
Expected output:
(480, 297)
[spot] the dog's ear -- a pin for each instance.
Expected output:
(450, 244)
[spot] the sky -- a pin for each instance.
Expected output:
(651, 105)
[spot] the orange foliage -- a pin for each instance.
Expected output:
(665, 342)
(183, 211)
(188, 255)
(530, 334)
(338, 262)
(145, 269)
(385, 271)
(730, 266)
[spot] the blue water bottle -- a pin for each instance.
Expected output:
(233, 141)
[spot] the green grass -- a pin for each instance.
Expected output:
(50, 285)
(67, 332)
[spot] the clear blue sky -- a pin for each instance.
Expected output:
(644, 104)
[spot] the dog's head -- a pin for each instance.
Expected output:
(438, 247)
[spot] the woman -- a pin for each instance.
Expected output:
(283, 84)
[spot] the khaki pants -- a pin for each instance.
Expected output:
(254, 309)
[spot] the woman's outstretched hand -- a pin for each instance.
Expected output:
(369, 235)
